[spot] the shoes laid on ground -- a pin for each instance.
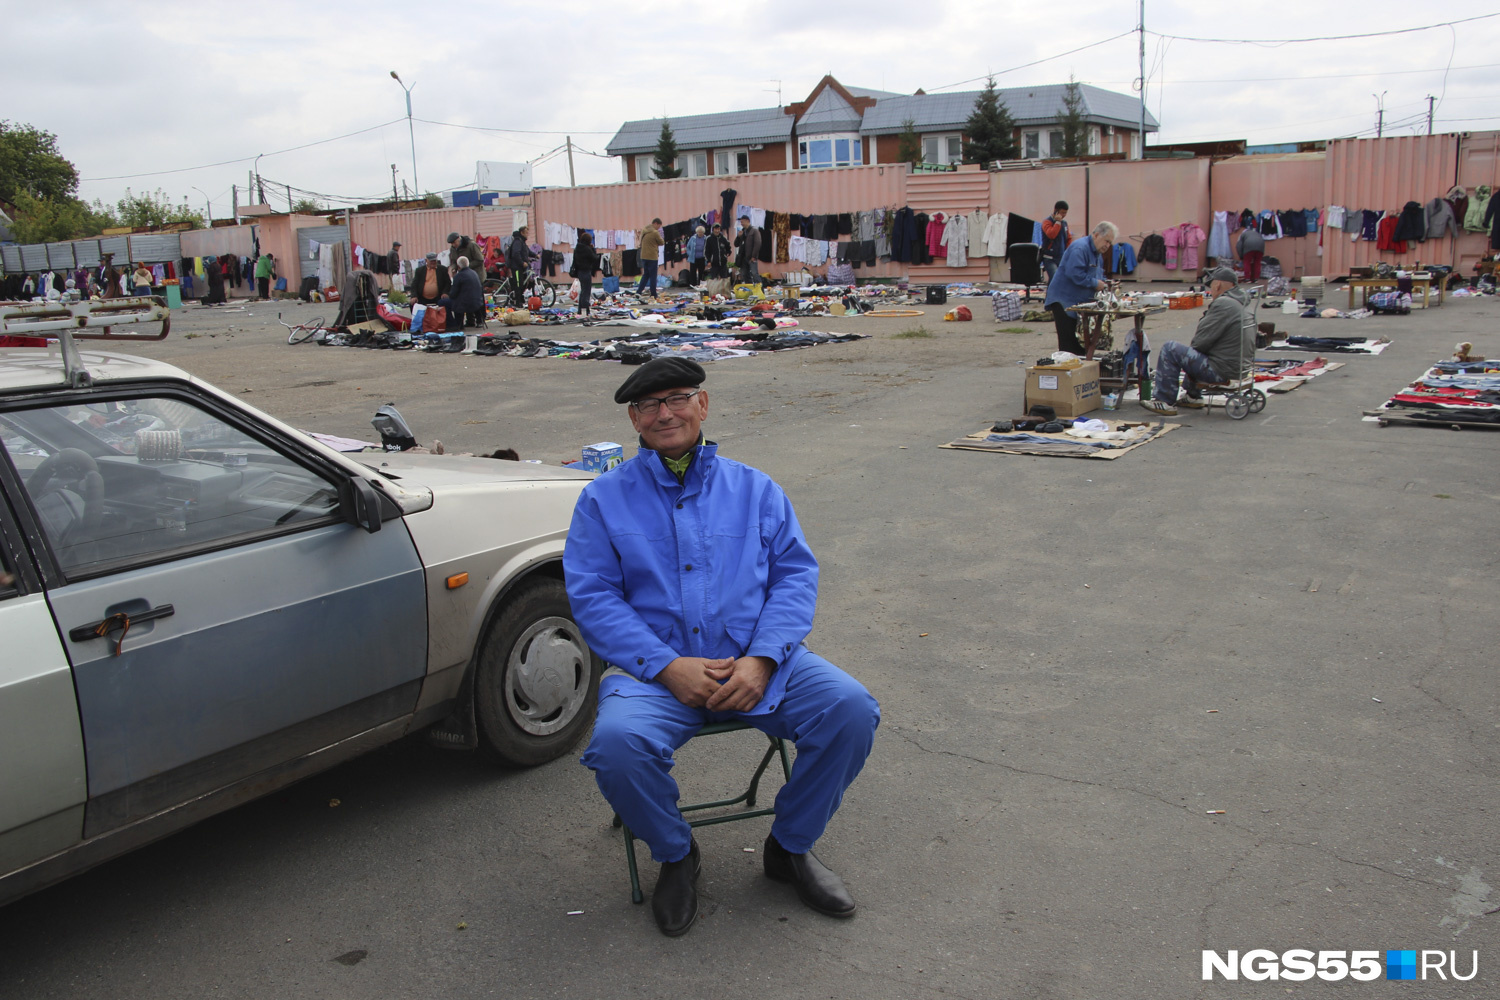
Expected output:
(674, 902)
(1161, 406)
(1192, 402)
(816, 884)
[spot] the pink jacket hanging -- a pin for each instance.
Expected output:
(1173, 240)
(935, 227)
(1192, 237)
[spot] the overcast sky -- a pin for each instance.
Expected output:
(147, 88)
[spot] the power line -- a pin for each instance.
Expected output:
(1322, 76)
(1324, 38)
(1002, 72)
(242, 159)
(518, 131)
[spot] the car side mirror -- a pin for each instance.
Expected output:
(362, 504)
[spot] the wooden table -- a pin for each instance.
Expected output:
(1425, 280)
(1091, 323)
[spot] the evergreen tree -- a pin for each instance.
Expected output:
(909, 144)
(664, 164)
(990, 129)
(1075, 130)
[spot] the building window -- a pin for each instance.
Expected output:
(817, 151)
(1055, 142)
(732, 161)
(644, 171)
(942, 149)
(1031, 145)
(693, 164)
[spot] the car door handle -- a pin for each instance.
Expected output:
(119, 620)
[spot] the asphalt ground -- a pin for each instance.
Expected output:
(1289, 618)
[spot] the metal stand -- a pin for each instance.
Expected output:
(748, 797)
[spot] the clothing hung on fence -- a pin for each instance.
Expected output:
(1218, 237)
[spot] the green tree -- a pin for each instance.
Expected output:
(306, 206)
(1075, 129)
(53, 220)
(434, 200)
(664, 164)
(153, 209)
(909, 143)
(990, 129)
(30, 163)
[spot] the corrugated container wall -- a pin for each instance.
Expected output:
(1147, 196)
(1383, 175)
(1478, 163)
(808, 192)
(155, 248)
(236, 240)
(1032, 193)
(1279, 182)
(306, 261)
(960, 192)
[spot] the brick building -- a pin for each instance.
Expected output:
(838, 126)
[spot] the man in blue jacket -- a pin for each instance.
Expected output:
(689, 575)
(1078, 278)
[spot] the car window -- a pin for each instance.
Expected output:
(142, 479)
(7, 576)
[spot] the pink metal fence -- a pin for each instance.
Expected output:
(956, 193)
(1383, 175)
(1278, 182)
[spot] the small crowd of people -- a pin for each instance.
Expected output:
(1221, 347)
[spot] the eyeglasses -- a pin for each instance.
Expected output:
(677, 402)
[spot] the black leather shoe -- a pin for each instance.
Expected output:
(674, 903)
(817, 885)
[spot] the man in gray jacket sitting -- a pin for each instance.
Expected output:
(1223, 343)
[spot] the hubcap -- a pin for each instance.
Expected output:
(547, 678)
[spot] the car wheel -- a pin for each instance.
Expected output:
(536, 682)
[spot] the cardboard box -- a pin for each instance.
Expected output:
(603, 456)
(1072, 392)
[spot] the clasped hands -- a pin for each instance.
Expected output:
(726, 685)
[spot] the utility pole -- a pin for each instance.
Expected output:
(574, 183)
(1141, 29)
(234, 194)
(1430, 101)
(289, 203)
(1380, 113)
(416, 185)
(395, 196)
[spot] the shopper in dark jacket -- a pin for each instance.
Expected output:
(716, 251)
(585, 263)
(467, 295)
(747, 258)
(518, 260)
(464, 246)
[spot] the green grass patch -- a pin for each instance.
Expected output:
(912, 333)
(1015, 329)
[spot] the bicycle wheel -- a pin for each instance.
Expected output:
(546, 291)
(305, 331)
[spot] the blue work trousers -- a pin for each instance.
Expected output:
(1176, 361)
(828, 715)
(648, 278)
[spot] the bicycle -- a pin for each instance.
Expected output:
(539, 287)
(301, 332)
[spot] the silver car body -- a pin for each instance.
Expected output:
(495, 521)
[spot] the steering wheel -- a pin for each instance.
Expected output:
(74, 466)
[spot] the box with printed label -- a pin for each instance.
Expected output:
(602, 457)
(1072, 392)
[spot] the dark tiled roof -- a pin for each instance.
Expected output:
(705, 131)
(1027, 105)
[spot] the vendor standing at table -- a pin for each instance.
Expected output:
(1080, 275)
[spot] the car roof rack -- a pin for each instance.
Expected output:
(67, 321)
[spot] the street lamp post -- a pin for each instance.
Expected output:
(207, 202)
(410, 133)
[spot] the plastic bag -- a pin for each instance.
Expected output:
(574, 291)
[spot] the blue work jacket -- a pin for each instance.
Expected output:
(715, 566)
(1078, 274)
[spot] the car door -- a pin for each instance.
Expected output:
(220, 614)
(42, 787)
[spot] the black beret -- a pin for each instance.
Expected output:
(658, 374)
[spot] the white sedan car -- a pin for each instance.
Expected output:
(200, 604)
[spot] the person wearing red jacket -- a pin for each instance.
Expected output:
(1054, 238)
